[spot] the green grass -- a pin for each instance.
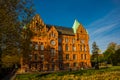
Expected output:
(112, 73)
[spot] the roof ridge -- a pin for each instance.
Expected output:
(58, 26)
(62, 30)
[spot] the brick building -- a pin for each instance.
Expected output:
(57, 47)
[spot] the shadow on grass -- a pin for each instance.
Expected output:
(43, 74)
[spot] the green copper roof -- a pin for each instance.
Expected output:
(87, 31)
(75, 26)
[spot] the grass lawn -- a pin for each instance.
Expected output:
(111, 73)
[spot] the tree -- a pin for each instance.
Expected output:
(95, 54)
(14, 14)
(109, 52)
(116, 57)
(0, 58)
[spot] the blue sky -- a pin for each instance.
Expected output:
(100, 17)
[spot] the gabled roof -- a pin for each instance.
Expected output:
(62, 30)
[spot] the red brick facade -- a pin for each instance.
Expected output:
(58, 48)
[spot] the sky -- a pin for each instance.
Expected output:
(100, 17)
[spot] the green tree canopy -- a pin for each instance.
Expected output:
(14, 14)
(95, 52)
(109, 51)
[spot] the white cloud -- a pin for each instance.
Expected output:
(105, 29)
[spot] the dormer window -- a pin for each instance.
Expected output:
(36, 24)
(52, 34)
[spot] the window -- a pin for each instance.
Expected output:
(41, 47)
(52, 34)
(60, 57)
(59, 48)
(67, 65)
(82, 64)
(73, 40)
(85, 56)
(59, 40)
(75, 64)
(42, 57)
(36, 66)
(67, 56)
(80, 47)
(81, 31)
(37, 24)
(53, 52)
(35, 29)
(60, 65)
(52, 59)
(66, 47)
(73, 48)
(31, 44)
(84, 48)
(36, 47)
(74, 56)
(82, 56)
(35, 57)
(66, 40)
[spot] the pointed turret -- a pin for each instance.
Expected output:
(87, 31)
(75, 25)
